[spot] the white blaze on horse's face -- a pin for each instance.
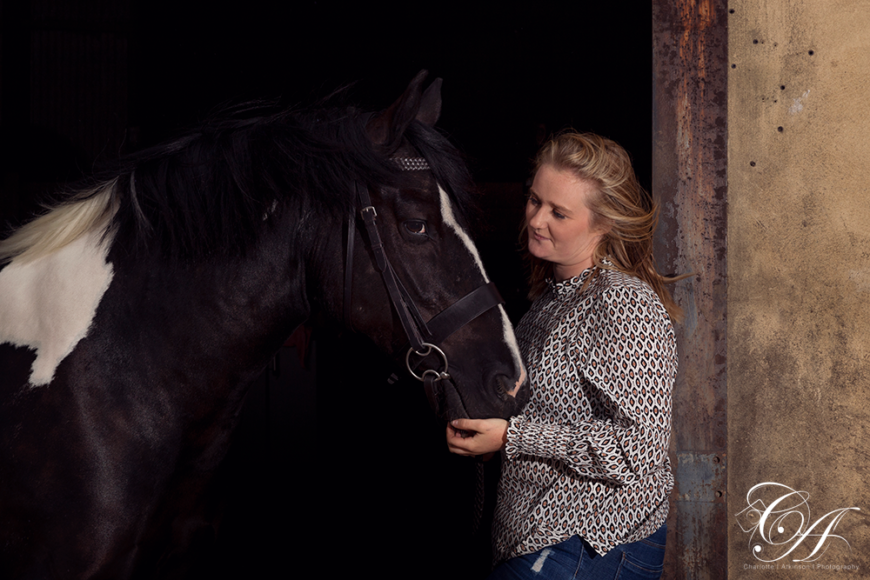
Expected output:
(49, 303)
(449, 218)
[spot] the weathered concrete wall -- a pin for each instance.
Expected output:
(799, 283)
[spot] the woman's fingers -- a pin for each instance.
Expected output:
(475, 425)
(476, 436)
(457, 441)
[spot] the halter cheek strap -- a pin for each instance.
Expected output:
(405, 307)
(424, 337)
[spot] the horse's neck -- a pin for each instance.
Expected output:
(246, 307)
(201, 312)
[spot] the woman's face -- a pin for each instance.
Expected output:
(558, 221)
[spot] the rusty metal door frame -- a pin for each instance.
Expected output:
(690, 66)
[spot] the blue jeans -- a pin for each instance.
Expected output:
(574, 559)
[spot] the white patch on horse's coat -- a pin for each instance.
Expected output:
(49, 303)
(450, 219)
(539, 563)
(513, 392)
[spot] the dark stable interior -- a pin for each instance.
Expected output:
(334, 471)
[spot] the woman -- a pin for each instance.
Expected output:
(586, 477)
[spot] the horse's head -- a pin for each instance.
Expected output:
(434, 290)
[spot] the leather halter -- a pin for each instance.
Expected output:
(423, 337)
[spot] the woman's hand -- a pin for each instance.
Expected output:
(476, 436)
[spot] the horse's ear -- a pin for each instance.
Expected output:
(430, 104)
(386, 128)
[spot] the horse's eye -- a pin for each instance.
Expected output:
(417, 227)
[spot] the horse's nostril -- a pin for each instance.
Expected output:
(509, 386)
(505, 386)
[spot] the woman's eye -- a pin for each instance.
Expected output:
(558, 215)
(533, 201)
(417, 227)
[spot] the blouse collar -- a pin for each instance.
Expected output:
(574, 284)
(570, 285)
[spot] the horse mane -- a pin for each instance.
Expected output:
(84, 211)
(210, 192)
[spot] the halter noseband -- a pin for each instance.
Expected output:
(424, 337)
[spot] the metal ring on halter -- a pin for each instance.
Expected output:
(438, 374)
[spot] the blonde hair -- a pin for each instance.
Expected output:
(619, 206)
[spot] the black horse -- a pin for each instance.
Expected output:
(134, 314)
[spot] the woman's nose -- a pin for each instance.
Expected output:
(534, 218)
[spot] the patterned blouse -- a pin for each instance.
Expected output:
(589, 453)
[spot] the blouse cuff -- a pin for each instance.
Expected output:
(549, 440)
(514, 434)
(535, 438)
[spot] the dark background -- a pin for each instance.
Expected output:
(332, 467)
